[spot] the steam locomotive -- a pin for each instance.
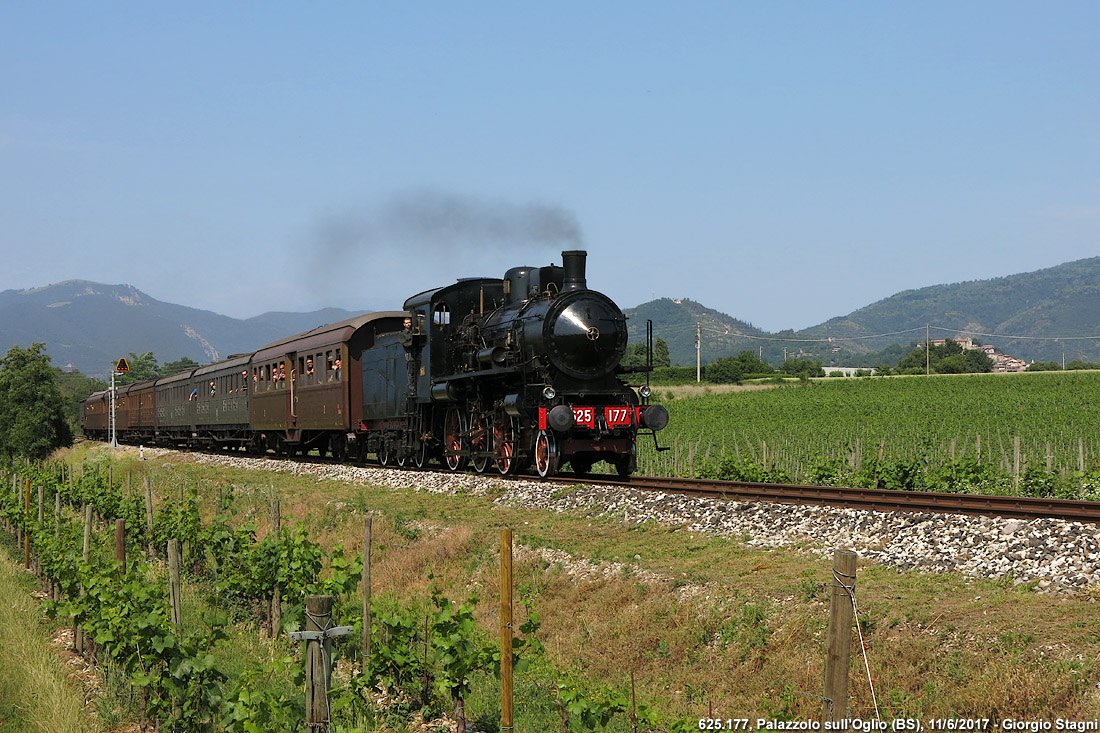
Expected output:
(500, 374)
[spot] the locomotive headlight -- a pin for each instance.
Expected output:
(645, 392)
(549, 393)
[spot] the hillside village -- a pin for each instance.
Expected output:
(1002, 363)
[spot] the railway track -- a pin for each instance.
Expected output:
(880, 500)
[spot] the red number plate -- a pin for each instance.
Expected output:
(585, 416)
(617, 416)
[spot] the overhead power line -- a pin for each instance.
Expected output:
(834, 339)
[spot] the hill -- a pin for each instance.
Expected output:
(1062, 301)
(722, 335)
(91, 325)
(1020, 315)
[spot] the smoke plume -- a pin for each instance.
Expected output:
(435, 222)
(377, 256)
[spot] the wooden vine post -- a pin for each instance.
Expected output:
(318, 652)
(839, 644)
(506, 629)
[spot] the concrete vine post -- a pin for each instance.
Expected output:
(174, 588)
(26, 527)
(276, 615)
(506, 711)
(150, 546)
(120, 545)
(367, 540)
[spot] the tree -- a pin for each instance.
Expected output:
(661, 356)
(635, 356)
(75, 386)
(724, 371)
(753, 364)
(32, 408)
(142, 367)
(1078, 364)
(802, 368)
(732, 370)
(183, 364)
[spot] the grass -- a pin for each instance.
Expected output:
(706, 625)
(35, 692)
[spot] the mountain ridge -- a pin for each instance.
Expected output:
(91, 325)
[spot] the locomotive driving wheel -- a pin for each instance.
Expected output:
(479, 442)
(504, 444)
(454, 425)
(546, 454)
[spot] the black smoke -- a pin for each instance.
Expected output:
(376, 256)
(434, 221)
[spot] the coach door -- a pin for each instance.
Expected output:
(292, 394)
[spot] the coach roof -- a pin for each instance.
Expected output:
(331, 333)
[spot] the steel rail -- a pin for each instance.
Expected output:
(879, 500)
(882, 500)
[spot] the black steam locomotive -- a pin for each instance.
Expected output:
(523, 371)
(494, 373)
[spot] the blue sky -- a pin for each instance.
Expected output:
(782, 162)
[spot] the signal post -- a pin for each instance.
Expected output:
(121, 367)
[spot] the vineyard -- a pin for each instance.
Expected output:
(1014, 434)
(106, 560)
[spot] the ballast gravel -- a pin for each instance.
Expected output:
(1058, 556)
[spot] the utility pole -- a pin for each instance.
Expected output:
(927, 351)
(698, 347)
(698, 351)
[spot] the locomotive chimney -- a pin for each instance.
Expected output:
(573, 262)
